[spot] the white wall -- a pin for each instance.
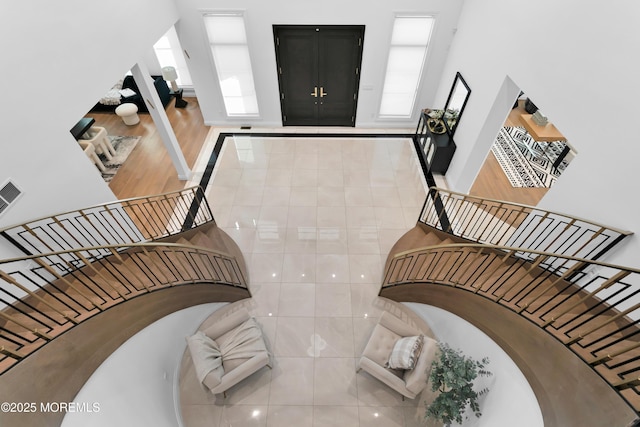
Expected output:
(575, 60)
(507, 384)
(138, 384)
(59, 58)
(261, 15)
(64, 56)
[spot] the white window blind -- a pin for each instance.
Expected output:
(228, 41)
(409, 42)
(169, 53)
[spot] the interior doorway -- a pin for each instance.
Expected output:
(527, 157)
(318, 73)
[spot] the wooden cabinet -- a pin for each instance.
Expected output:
(437, 149)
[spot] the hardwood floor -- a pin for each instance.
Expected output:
(491, 181)
(148, 169)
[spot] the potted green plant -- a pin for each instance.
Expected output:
(452, 375)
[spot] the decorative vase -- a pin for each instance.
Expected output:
(436, 126)
(529, 106)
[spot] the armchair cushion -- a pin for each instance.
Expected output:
(405, 352)
(380, 345)
(240, 344)
(226, 324)
(206, 356)
(415, 379)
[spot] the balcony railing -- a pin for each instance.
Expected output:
(496, 222)
(83, 262)
(592, 307)
(117, 223)
(42, 296)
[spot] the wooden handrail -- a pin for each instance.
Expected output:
(125, 221)
(498, 222)
(56, 291)
(524, 206)
(587, 305)
(194, 188)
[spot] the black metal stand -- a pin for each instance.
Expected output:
(436, 149)
(180, 103)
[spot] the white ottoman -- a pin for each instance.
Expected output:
(129, 113)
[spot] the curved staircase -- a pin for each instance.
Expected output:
(529, 278)
(568, 320)
(90, 279)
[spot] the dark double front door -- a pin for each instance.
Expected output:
(318, 73)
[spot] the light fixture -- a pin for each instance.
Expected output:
(169, 74)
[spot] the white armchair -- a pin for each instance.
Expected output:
(408, 382)
(238, 350)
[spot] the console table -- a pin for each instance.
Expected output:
(546, 133)
(81, 127)
(436, 149)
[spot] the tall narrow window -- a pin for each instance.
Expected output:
(409, 41)
(169, 53)
(228, 41)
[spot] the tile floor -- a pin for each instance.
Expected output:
(315, 218)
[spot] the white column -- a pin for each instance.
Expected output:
(150, 95)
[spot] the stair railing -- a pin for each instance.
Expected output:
(42, 296)
(497, 222)
(120, 222)
(593, 308)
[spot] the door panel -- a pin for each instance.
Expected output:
(300, 66)
(339, 52)
(318, 73)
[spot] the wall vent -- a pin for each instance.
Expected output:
(9, 193)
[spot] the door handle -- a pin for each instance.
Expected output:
(322, 92)
(315, 92)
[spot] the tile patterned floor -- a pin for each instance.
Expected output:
(315, 218)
